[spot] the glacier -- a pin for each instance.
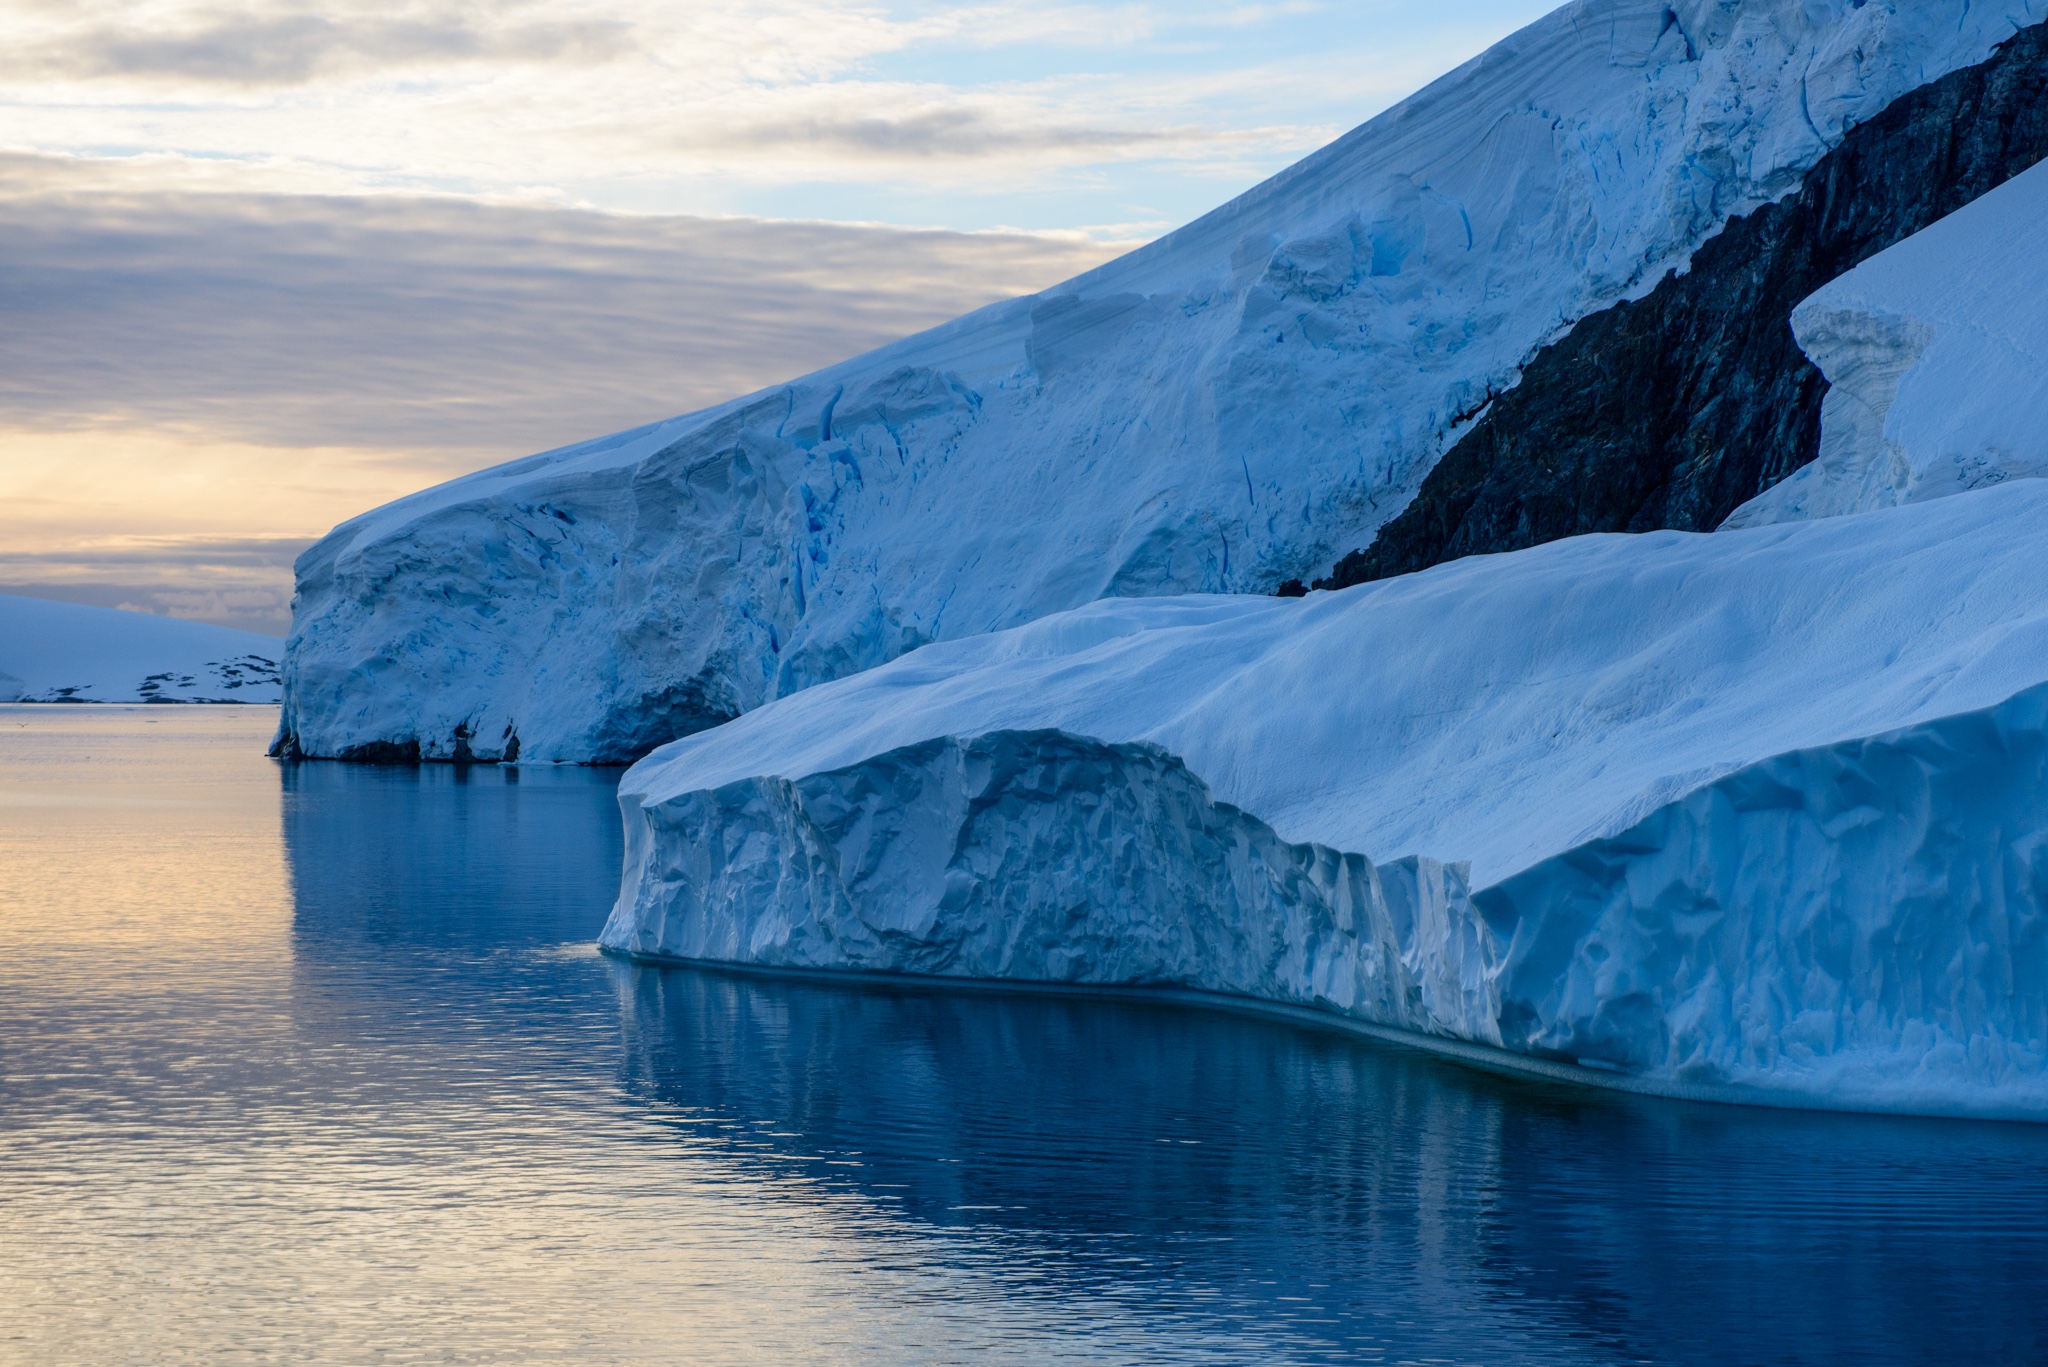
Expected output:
(1225, 410)
(1936, 352)
(1753, 814)
(68, 652)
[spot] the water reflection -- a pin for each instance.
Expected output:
(352, 1085)
(483, 857)
(1261, 1173)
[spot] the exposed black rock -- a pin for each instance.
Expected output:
(1673, 411)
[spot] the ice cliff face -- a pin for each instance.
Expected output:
(1047, 857)
(67, 652)
(1759, 812)
(1232, 407)
(1936, 355)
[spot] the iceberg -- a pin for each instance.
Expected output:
(1936, 352)
(67, 652)
(1226, 410)
(1754, 814)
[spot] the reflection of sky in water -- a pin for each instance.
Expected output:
(315, 1064)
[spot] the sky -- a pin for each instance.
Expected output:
(265, 264)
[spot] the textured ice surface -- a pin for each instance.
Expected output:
(1760, 809)
(66, 652)
(1230, 407)
(1936, 352)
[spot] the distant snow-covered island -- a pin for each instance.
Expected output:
(53, 652)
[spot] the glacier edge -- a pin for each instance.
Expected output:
(1769, 936)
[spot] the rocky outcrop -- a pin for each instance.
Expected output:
(1673, 410)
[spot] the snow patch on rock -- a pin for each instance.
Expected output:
(1936, 352)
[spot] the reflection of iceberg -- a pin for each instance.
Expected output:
(1179, 1173)
(1758, 810)
(405, 855)
(1008, 1178)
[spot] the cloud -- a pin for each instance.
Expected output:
(950, 131)
(268, 44)
(194, 385)
(404, 323)
(232, 581)
(294, 48)
(1007, 111)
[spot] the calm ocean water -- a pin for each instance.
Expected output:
(317, 1064)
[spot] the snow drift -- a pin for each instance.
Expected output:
(1229, 408)
(1756, 812)
(1937, 354)
(66, 652)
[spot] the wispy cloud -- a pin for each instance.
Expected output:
(293, 48)
(405, 322)
(235, 581)
(1005, 111)
(954, 130)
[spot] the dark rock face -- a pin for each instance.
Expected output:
(1672, 411)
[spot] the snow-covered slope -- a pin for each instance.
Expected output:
(1937, 354)
(1234, 406)
(1761, 809)
(66, 652)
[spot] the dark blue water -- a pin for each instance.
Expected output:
(316, 1064)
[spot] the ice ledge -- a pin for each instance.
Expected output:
(1858, 925)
